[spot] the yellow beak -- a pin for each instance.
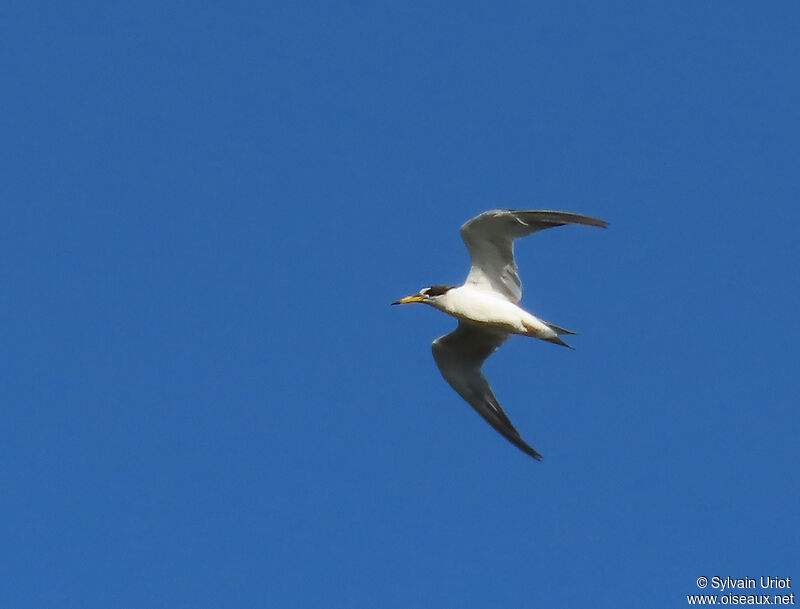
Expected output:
(409, 299)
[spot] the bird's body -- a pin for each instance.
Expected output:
(490, 309)
(487, 307)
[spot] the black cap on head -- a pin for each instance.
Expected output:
(438, 290)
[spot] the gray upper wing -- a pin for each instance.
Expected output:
(489, 238)
(460, 356)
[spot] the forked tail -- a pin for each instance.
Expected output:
(558, 330)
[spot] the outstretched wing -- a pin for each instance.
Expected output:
(460, 356)
(490, 241)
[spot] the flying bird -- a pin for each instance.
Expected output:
(487, 308)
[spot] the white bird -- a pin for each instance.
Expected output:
(487, 310)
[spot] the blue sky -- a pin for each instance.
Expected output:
(207, 399)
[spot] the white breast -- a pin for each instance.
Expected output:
(487, 307)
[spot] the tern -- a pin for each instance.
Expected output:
(487, 308)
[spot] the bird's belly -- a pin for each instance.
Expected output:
(499, 313)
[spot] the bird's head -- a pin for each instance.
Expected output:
(431, 295)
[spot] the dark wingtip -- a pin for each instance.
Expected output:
(534, 453)
(525, 447)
